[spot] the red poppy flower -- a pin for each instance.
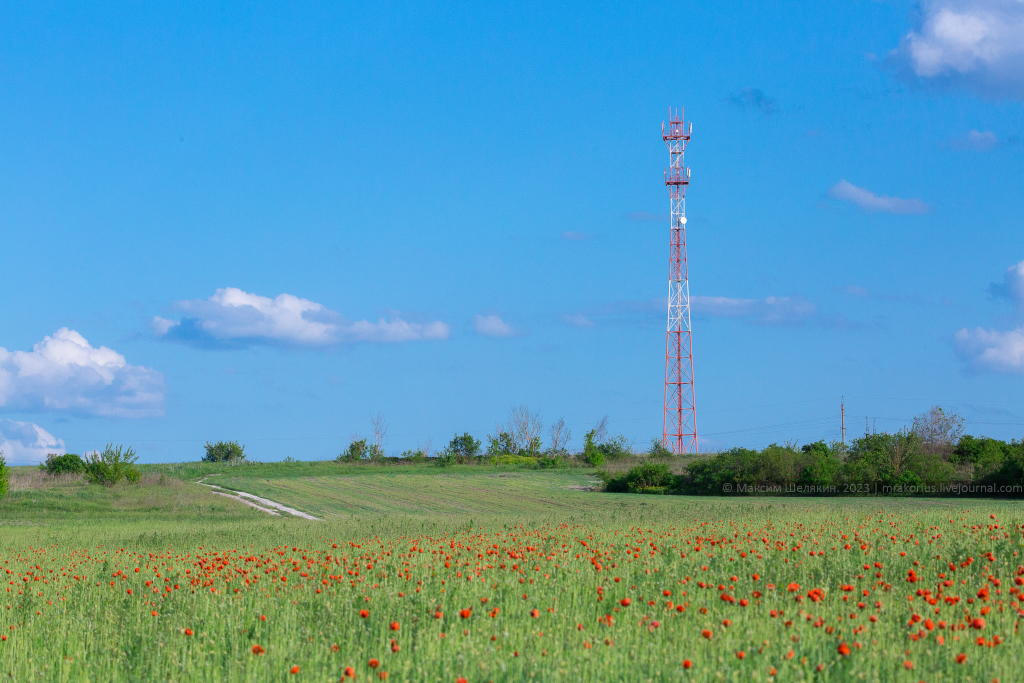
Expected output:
(741, 654)
(364, 613)
(625, 602)
(908, 664)
(978, 623)
(258, 650)
(395, 626)
(465, 613)
(706, 633)
(961, 658)
(373, 663)
(188, 632)
(350, 672)
(844, 649)
(535, 613)
(687, 663)
(294, 670)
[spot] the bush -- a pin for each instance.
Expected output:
(355, 452)
(644, 478)
(111, 466)
(414, 456)
(224, 451)
(658, 450)
(3, 476)
(463, 449)
(556, 462)
(69, 463)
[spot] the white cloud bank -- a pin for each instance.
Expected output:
(492, 326)
(64, 372)
(869, 201)
(992, 350)
(978, 44)
(232, 317)
(24, 443)
(772, 310)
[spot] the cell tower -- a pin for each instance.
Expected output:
(680, 426)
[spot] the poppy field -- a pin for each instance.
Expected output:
(822, 590)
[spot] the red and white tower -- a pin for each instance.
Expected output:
(680, 426)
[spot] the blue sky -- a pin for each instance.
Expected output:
(267, 222)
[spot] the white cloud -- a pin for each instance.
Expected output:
(577, 320)
(1012, 287)
(492, 326)
(773, 310)
(869, 201)
(25, 443)
(232, 317)
(976, 142)
(573, 236)
(64, 372)
(992, 350)
(978, 44)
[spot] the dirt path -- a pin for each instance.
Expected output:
(268, 506)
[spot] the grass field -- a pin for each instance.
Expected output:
(435, 574)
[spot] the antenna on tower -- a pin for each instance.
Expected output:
(680, 422)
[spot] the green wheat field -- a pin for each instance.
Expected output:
(478, 573)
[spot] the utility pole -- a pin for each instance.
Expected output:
(842, 412)
(867, 431)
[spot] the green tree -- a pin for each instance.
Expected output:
(462, 449)
(224, 451)
(111, 466)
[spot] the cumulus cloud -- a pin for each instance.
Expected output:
(976, 142)
(992, 350)
(772, 310)
(25, 443)
(976, 44)
(234, 318)
(869, 201)
(1012, 286)
(492, 326)
(64, 372)
(573, 236)
(752, 98)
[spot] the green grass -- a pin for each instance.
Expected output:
(178, 534)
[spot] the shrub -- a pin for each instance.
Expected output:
(414, 456)
(111, 466)
(69, 463)
(502, 444)
(647, 477)
(463, 448)
(224, 451)
(3, 476)
(658, 450)
(355, 452)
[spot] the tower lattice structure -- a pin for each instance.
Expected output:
(680, 424)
